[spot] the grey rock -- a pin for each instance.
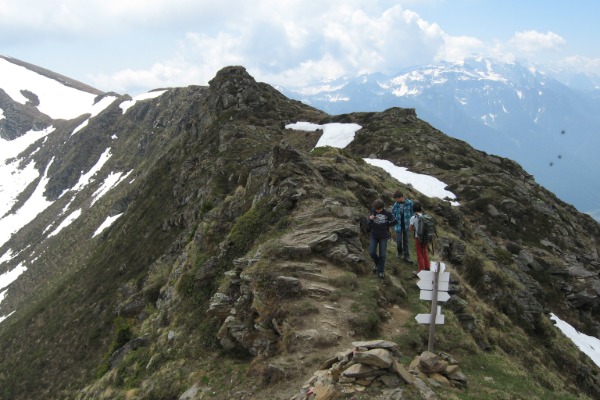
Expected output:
(431, 363)
(116, 357)
(424, 390)
(380, 358)
(377, 344)
(359, 371)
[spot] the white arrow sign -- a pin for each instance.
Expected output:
(430, 276)
(428, 295)
(426, 318)
(428, 285)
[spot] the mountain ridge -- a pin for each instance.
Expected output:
(226, 213)
(501, 108)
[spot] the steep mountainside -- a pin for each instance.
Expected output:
(236, 264)
(510, 109)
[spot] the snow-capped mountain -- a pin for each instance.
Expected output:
(510, 109)
(46, 163)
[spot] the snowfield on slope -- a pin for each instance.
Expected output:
(341, 135)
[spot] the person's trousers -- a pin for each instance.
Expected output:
(402, 243)
(422, 255)
(378, 258)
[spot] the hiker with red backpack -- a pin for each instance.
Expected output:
(423, 226)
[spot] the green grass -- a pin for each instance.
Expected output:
(494, 376)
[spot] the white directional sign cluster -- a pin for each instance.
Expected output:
(427, 285)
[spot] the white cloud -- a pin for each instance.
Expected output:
(287, 43)
(456, 48)
(293, 42)
(580, 63)
(108, 17)
(531, 42)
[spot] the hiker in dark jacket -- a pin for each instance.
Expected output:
(380, 221)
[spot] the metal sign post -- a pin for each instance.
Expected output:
(434, 286)
(434, 299)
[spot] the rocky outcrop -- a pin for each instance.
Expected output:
(19, 119)
(375, 366)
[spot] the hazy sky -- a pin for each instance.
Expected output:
(131, 46)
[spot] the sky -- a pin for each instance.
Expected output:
(132, 46)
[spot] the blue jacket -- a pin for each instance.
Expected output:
(380, 226)
(408, 212)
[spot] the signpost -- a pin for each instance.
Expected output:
(434, 286)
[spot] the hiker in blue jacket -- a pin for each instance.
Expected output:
(402, 211)
(380, 221)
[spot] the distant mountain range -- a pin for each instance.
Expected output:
(548, 120)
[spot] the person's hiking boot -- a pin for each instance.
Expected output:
(398, 256)
(408, 260)
(375, 269)
(381, 275)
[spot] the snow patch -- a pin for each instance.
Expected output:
(403, 82)
(86, 178)
(589, 345)
(12, 148)
(6, 256)
(96, 109)
(127, 104)
(66, 222)
(112, 180)
(2, 318)
(108, 222)
(335, 134)
(14, 179)
(337, 98)
(9, 277)
(36, 203)
(55, 99)
(426, 184)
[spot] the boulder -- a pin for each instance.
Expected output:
(376, 357)
(402, 372)
(220, 305)
(361, 371)
(431, 363)
(377, 344)
(324, 391)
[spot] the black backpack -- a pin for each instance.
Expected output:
(426, 229)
